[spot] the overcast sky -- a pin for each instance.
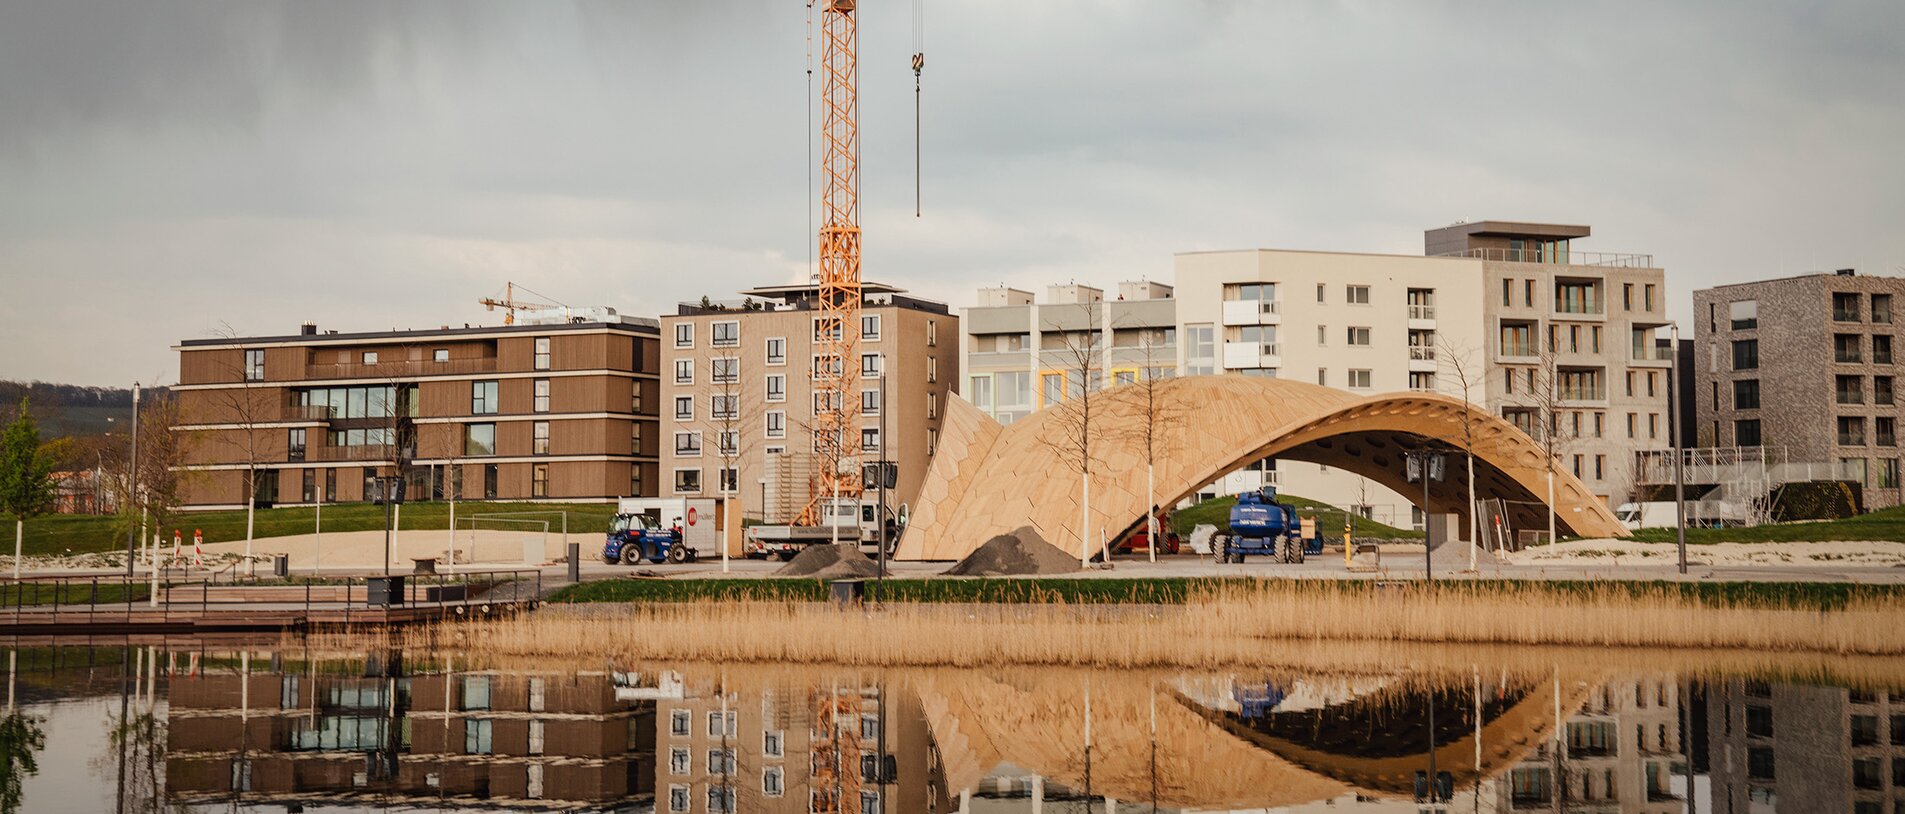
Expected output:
(168, 166)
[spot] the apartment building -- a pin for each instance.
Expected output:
(738, 388)
(1621, 751)
(1787, 747)
(1804, 365)
(1021, 354)
(561, 406)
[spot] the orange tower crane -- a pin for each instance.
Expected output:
(839, 257)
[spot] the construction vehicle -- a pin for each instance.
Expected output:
(660, 530)
(846, 520)
(1261, 526)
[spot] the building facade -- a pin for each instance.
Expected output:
(1787, 747)
(740, 401)
(1804, 365)
(557, 410)
(1565, 344)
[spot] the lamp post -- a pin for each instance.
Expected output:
(1427, 465)
(131, 536)
(1674, 430)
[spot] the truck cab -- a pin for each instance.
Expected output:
(850, 520)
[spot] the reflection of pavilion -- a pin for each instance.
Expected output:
(301, 733)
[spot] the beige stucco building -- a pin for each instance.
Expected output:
(739, 402)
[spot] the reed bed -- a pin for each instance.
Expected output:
(1220, 626)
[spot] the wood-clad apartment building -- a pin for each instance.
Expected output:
(563, 410)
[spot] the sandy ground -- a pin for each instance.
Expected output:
(366, 548)
(1623, 552)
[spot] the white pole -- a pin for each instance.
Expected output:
(1474, 523)
(396, 523)
(1550, 501)
(152, 568)
(251, 512)
(1084, 523)
(19, 534)
(317, 521)
(726, 518)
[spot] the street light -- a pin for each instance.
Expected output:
(134, 479)
(1425, 465)
(1674, 430)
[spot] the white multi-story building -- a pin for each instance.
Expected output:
(1498, 313)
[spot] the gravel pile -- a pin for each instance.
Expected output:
(1021, 553)
(830, 562)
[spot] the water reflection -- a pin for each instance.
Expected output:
(283, 729)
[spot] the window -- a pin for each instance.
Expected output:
(870, 439)
(1358, 337)
(1849, 389)
(932, 441)
(932, 405)
(370, 357)
(254, 365)
(1528, 293)
(772, 782)
(440, 355)
(1882, 390)
(1356, 294)
(1851, 431)
(871, 365)
(1888, 479)
(1759, 721)
(1865, 730)
(1881, 349)
(1746, 394)
(721, 798)
(1746, 432)
(684, 408)
(728, 442)
(773, 743)
(777, 387)
(1627, 296)
(932, 333)
(684, 334)
(678, 761)
(1648, 301)
(483, 398)
(541, 403)
(1653, 425)
(688, 444)
(542, 353)
(932, 369)
(1846, 348)
(479, 439)
(1743, 314)
(777, 423)
(724, 334)
(1320, 289)
(827, 328)
(1518, 339)
(678, 723)
(777, 350)
(869, 402)
(684, 371)
(1359, 380)
(1600, 467)
(870, 327)
(1421, 381)
(1882, 309)
(1323, 377)
(294, 444)
(724, 406)
(539, 480)
(1845, 307)
(687, 480)
(1865, 770)
(1200, 352)
(1746, 354)
(635, 397)
(724, 370)
(678, 799)
(829, 366)
(539, 433)
(476, 736)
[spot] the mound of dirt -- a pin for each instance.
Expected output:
(830, 562)
(1021, 553)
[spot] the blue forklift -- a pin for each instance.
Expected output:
(1261, 526)
(636, 537)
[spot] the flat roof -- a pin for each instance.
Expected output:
(782, 292)
(630, 324)
(1513, 228)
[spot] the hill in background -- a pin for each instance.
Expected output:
(71, 409)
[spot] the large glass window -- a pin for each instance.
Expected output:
(1847, 348)
(1743, 314)
(1849, 389)
(1746, 354)
(1851, 431)
(483, 398)
(479, 439)
(477, 736)
(1882, 309)
(1882, 390)
(1746, 394)
(684, 371)
(687, 444)
(353, 402)
(1845, 307)
(1746, 432)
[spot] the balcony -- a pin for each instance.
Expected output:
(1654, 355)
(1253, 312)
(366, 452)
(1239, 355)
(306, 412)
(1421, 359)
(1422, 312)
(1519, 351)
(1568, 258)
(1582, 394)
(401, 369)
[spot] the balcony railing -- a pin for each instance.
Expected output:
(1567, 258)
(365, 452)
(1421, 353)
(1422, 312)
(307, 412)
(1583, 394)
(391, 370)
(1657, 353)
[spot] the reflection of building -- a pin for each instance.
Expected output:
(1621, 753)
(762, 753)
(525, 741)
(546, 408)
(1784, 747)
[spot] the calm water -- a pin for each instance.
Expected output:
(282, 729)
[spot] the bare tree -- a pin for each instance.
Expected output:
(1462, 367)
(1159, 423)
(730, 439)
(1069, 432)
(244, 410)
(160, 475)
(1549, 391)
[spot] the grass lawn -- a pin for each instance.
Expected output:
(1885, 524)
(56, 534)
(1216, 512)
(70, 593)
(1174, 590)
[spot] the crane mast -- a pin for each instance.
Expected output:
(839, 254)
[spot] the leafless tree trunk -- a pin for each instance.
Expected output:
(245, 409)
(1159, 424)
(1549, 401)
(161, 477)
(1069, 432)
(730, 439)
(1461, 366)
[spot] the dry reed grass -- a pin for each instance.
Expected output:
(1271, 622)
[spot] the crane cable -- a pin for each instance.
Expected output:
(919, 64)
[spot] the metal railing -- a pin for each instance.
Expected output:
(1421, 353)
(1422, 312)
(363, 452)
(1657, 353)
(229, 598)
(405, 367)
(1564, 258)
